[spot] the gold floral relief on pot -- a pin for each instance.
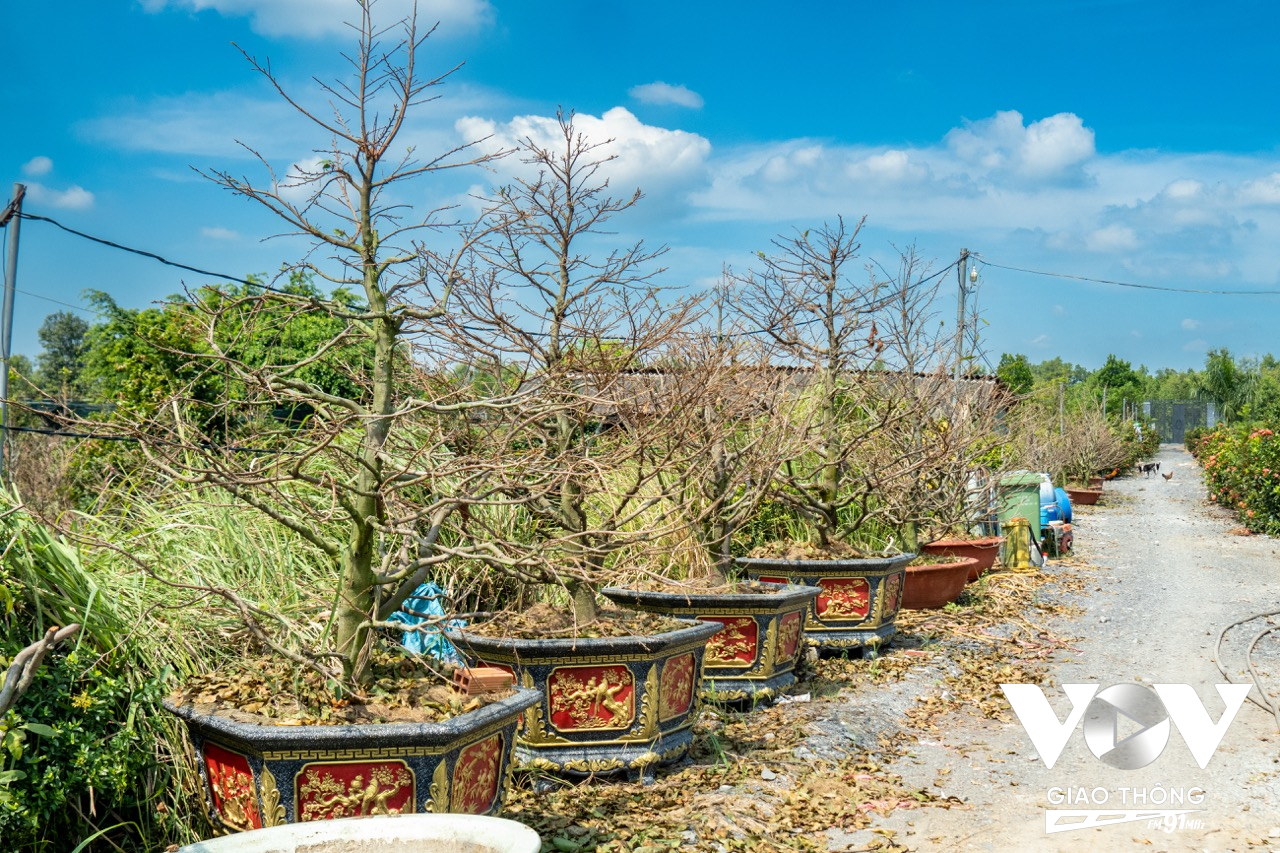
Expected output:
(272, 808)
(438, 799)
(735, 645)
(647, 721)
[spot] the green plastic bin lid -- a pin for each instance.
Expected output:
(1021, 478)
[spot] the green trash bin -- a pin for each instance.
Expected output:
(1018, 496)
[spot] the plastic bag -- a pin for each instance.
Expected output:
(425, 605)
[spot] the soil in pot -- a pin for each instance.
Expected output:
(268, 690)
(546, 622)
(935, 585)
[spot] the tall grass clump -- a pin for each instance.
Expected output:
(88, 750)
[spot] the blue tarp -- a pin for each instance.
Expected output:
(425, 605)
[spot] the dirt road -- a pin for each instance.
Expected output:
(1166, 576)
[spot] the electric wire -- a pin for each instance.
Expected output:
(1130, 284)
(152, 255)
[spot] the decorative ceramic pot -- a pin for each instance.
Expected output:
(266, 775)
(753, 658)
(608, 704)
(410, 833)
(859, 599)
(1083, 497)
(986, 551)
(935, 585)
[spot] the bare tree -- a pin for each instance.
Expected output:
(582, 328)
(362, 469)
(934, 466)
(820, 322)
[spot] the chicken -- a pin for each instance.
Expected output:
(1168, 476)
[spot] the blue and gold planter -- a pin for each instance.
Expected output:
(267, 775)
(858, 602)
(609, 705)
(754, 657)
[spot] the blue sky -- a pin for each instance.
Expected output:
(1130, 141)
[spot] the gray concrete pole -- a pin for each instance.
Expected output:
(13, 221)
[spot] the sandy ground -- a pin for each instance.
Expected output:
(1166, 577)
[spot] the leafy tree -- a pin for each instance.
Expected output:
(1228, 383)
(1116, 373)
(139, 358)
(1015, 373)
(1054, 371)
(63, 338)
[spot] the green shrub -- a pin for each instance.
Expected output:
(1242, 473)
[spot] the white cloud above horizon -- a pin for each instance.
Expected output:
(74, 197)
(666, 94)
(217, 232)
(656, 159)
(37, 167)
(318, 18)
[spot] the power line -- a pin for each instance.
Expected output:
(153, 256)
(1131, 284)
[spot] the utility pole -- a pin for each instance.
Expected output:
(12, 219)
(962, 273)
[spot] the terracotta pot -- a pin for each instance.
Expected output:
(859, 599)
(266, 775)
(607, 704)
(985, 550)
(410, 833)
(1083, 497)
(1095, 482)
(933, 586)
(753, 658)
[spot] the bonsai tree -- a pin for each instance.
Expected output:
(573, 461)
(938, 460)
(738, 428)
(358, 461)
(823, 325)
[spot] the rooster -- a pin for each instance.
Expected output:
(1168, 476)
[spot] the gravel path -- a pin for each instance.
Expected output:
(1166, 576)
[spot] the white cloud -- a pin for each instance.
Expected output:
(1052, 148)
(202, 124)
(1112, 238)
(1059, 311)
(666, 94)
(217, 232)
(1264, 190)
(646, 156)
(892, 166)
(315, 18)
(1198, 345)
(1190, 324)
(37, 167)
(72, 198)
(1039, 340)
